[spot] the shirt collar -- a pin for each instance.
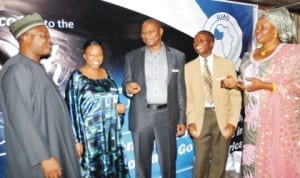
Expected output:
(162, 50)
(209, 58)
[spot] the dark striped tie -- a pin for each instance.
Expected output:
(207, 83)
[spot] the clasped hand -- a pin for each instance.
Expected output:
(255, 84)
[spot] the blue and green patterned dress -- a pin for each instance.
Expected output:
(97, 125)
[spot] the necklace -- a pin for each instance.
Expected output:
(263, 52)
(269, 49)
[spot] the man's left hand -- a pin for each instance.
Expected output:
(229, 131)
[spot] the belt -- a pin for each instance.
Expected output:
(210, 108)
(156, 106)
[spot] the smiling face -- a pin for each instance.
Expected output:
(203, 44)
(151, 34)
(265, 31)
(93, 56)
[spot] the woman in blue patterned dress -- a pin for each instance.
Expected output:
(92, 98)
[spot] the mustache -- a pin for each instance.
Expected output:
(198, 47)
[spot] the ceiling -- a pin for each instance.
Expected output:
(292, 5)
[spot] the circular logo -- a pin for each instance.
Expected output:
(228, 36)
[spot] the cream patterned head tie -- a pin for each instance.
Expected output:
(281, 19)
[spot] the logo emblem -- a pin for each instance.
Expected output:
(228, 36)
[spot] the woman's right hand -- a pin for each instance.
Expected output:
(257, 84)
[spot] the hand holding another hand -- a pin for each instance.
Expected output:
(228, 82)
(256, 84)
(252, 84)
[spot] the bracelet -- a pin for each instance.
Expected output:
(274, 87)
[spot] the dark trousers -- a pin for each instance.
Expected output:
(211, 149)
(158, 130)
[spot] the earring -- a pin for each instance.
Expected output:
(275, 35)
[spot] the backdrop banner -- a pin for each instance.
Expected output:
(116, 23)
